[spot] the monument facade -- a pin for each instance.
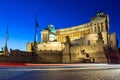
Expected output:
(88, 42)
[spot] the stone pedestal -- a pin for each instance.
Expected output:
(100, 56)
(66, 54)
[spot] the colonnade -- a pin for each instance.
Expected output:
(73, 36)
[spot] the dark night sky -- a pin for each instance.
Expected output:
(20, 17)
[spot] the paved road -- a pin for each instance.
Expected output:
(73, 72)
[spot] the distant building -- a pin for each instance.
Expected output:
(90, 41)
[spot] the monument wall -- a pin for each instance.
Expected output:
(49, 57)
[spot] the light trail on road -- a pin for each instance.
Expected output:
(61, 72)
(70, 67)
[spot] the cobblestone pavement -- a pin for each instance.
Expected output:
(82, 74)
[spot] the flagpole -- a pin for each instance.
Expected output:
(6, 49)
(35, 44)
(35, 28)
(6, 35)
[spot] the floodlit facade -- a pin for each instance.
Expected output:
(92, 39)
